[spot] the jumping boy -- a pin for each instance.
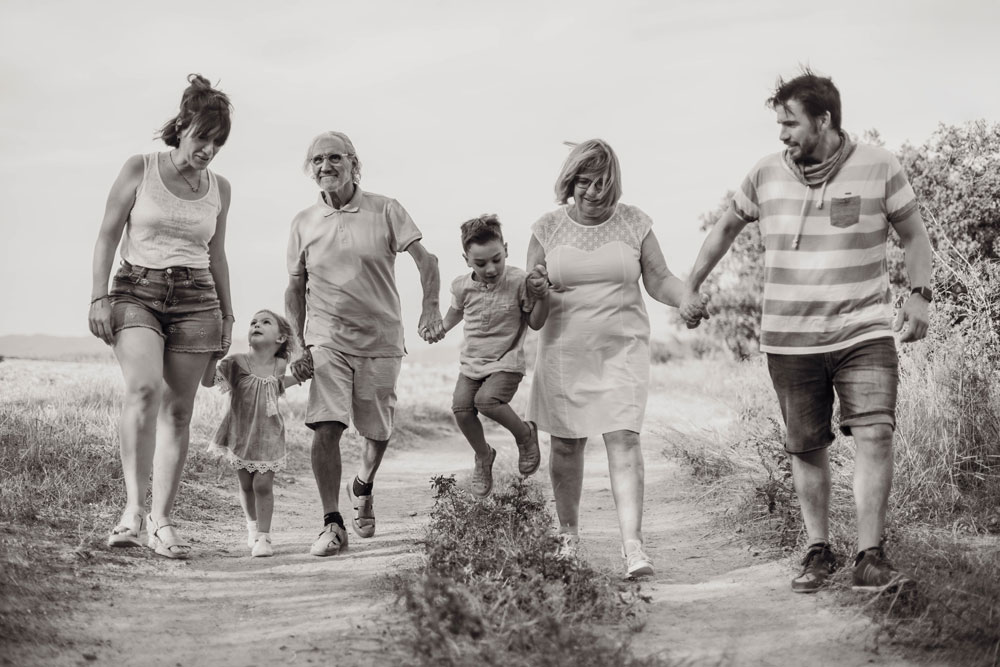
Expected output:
(496, 302)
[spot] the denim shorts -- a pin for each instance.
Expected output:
(864, 376)
(347, 388)
(178, 303)
(489, 392)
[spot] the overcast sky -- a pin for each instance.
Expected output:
(455, 108)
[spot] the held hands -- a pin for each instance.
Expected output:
(538, 282)
(302, 368)
(430, 327)
(99, 319)
(912, 319)
(227, 337)
(694, 308)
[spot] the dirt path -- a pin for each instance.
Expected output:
(712, 601)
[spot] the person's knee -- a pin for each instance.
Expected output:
(464, 415)
(143, 394)
(876, 438)
(179, 413)
(567, 447)
(490, 408)
(327, 434)
(263, 484)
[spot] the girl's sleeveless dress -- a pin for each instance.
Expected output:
(592, 369)
(252, 433)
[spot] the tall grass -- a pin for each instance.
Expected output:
(944, 522)
(61, 486)
(492, 591)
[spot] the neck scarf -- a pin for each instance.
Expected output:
(815, 174)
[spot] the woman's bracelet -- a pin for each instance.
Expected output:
(100, 298)
(229, 316)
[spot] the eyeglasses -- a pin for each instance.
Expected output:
(334, 158)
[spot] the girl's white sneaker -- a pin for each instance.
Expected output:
(251, 533)
(262, 546)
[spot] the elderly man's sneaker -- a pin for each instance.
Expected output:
(817, 566)
(364, 512)
(528, 456)
(482, 475)
(872, 572)
(330, 542)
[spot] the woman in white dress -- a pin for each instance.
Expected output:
(592, 370)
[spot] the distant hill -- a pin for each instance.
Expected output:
(88, 348)
(59, 348)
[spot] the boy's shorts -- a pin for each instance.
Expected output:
(345, 387)
(865, 377)
(489, 392)
(179, 303)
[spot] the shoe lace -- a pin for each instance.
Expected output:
(816, 551)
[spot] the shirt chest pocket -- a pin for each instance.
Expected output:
(845, 211)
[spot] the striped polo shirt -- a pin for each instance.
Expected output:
(832, 291)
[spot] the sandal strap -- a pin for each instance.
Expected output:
(168, 543)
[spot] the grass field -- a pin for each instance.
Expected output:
(61, 490)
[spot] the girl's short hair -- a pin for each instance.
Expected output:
(481, 230)
(353, 154)
(291, 345)
(204, 108)
(594, 156)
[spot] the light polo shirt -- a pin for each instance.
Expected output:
(831, 292)
(348, 257)
(494, 323)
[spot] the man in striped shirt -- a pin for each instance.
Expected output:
(825, 205)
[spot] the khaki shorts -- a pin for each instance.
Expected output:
(347, 388)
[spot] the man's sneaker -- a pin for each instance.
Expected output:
(330, 542)
(569, 545)
(482, 475)
(528, 456)
(872, 572)
(364, 513)
(817, 567)
(262, 546)
(637, 563)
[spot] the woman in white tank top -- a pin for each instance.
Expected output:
(168, 310)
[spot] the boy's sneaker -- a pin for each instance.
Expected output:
(817, 566)
(364, 512)
(528, 456)
(262, 546)
(330, 542)
(872, 572)
(482, 475)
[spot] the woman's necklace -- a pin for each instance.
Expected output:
(194, 188)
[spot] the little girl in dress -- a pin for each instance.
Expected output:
(252, 434)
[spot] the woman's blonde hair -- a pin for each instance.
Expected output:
(594, 156)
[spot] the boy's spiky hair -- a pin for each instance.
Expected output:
(481, 230)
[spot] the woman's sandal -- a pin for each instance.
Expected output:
(163, 540)
(130, 531)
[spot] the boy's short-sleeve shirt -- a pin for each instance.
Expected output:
(494, 323)
(348, 257)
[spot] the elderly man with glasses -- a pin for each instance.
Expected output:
(343, 303)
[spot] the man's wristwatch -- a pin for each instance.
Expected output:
(924, 292)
